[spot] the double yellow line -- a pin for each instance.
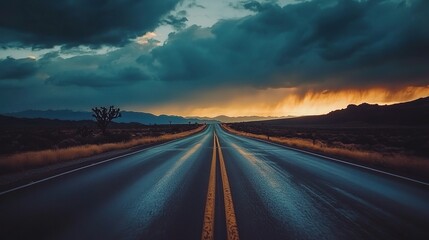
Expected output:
(209, 213)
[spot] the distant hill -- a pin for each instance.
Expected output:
(52, 114)
(148, 118)
(227, 119)
(127, 116)
(130, 116)
(408, 113)
(8, 122)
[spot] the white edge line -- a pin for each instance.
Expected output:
(86, 166)
(333, 159)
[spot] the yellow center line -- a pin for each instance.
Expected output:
(209, 213)
(231, 221)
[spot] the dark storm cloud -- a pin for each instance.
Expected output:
(186, 56)
(334, 43)
(98, 78)
(115, 69)
(177, 21)
(312, 45)
(46, 23)
(11, 68)
(254, 6)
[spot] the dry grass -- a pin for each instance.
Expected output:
(409, 165)
(33, 159)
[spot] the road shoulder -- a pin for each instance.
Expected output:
(28, 176)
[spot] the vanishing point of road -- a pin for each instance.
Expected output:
(215, 185)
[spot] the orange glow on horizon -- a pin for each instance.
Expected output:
(285, 101)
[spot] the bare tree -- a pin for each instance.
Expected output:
(104, 116)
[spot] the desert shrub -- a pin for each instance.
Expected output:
(32, 159)
(399, 150)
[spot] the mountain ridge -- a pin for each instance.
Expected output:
(131, 116)
(127, 116)
(414, 112)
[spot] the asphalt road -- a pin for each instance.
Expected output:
(217, 185)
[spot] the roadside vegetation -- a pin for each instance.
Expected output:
(404, 150)
(32, 143)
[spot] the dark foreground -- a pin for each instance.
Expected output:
(161, 193)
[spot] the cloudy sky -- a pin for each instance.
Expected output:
(207, 58)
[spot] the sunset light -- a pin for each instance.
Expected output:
(285, 102)
(214, 119)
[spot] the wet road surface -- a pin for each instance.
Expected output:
(215, 185)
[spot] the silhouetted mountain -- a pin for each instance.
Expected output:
(227, 119)
(52, 114)
(8, 122)
(408, 113)
(127, 116)
(130, 116)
